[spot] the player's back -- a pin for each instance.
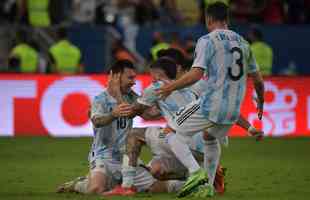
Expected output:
(109, 140)
(170, 106)
(226, 57)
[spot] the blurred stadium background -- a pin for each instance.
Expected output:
(45, 101)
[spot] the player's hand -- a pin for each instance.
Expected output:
(260, 108)
(122, 110)
(114, 86)
(258, 134)
(164, 91)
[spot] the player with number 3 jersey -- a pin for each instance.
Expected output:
(226, 58)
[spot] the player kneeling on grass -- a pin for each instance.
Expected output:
(111, 123)
(164, 70)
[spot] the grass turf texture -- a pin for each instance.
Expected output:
(31, 168)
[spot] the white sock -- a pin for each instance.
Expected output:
(211, 158)
(183, 153)
(128, 173)
(81, 186)
(174, 185)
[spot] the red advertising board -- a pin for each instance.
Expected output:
(53, 105)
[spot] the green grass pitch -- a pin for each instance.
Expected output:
(31, 168)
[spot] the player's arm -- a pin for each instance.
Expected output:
(134, 143)
(243, 123)
(253, 72)
(204, 51)
(151, 113)
(145, 106)
(100, 118)
(259, 89)
(195, 74)
(147, 112)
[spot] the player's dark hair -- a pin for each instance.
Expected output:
(120, 65)
(166, 64)
(218, 11)
(174, 54)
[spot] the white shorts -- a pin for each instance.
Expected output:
(143, 179)
(191, 121)
(112, 169)
(156, 140)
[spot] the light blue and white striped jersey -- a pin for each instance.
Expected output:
(226, 58)
(108, 142)
(174, 103)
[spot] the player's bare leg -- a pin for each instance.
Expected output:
(97, 183)
(170, 186)
(134, 143)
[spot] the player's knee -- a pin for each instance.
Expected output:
(97, 184)
(156, 170)
(207, 136)
(96, 188)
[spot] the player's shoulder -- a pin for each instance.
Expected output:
(238, 37)
(103, 96)
(155, 85)
(204, 38)
(205, 41)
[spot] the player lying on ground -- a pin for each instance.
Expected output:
(227, 60)
(165, 69)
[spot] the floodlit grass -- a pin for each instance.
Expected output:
(273, 169)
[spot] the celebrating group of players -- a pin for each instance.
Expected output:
(199, 104)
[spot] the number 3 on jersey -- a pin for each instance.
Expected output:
(237, 62)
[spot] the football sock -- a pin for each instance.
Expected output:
(81, 186)
(128, 173)
(212, 155)
(174, 185)
(183, 153)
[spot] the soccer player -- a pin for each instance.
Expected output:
(111, 122)
(226, 58)
(163, 69)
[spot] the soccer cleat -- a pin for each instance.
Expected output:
(121, 191)
(68, 187)
(219, 182)
(197, 178)
(204, 191)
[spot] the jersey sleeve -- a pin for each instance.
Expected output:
(99, 107)
(149, 97)
(203, 53)
(199, 87)
(252, 66)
